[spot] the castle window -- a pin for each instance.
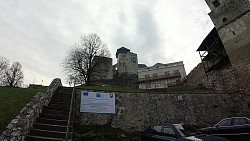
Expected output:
(176, 71)
(147, 85)
(224, 20)
(155, 75)
(216, 3)
(166, 73)
(133, 59)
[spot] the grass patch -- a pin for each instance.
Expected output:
(12, 101)
(109, 88)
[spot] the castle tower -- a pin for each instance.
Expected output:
(232, 22)
(126, 61)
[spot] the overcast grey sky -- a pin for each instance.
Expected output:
(38, 33)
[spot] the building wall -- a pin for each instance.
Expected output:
(127, 63)
(237, 46)
(160, 70)
(157, 84)
(104, 71)
(136, 111)
(110, 69)
(232, 21)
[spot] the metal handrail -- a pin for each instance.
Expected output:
(70, 111)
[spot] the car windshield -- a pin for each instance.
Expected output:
(185, 129)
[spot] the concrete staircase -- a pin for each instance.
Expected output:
(52, 122)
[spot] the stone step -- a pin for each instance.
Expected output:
(60, 98)
(58, 108)
(47, 133)
(63, 94)
(55, 112)
(51, 116)
(60, 102)
(51, 127)
(39, 138)
(52, 121)
(64, 90)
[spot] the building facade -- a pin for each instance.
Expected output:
(232, 22)
(161, 75)
(127, 61)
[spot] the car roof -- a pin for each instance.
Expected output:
(240, 117)
(234, 117)
(170, 124)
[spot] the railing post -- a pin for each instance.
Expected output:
(70, 112)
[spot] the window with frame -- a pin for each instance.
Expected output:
(156, 130)
(168, 131)
(240, 121)
(133, 59)
(167, 73)
(155, 75)
(148, 85)
(225, 122)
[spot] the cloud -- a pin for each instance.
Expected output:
(38, 34)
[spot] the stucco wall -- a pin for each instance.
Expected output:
(147, 80)
(135, 111)
(161, 69)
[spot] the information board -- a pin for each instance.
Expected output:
(95, 102)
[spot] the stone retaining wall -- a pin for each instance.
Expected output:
(220, 80)
(22, 123)
(136, 111)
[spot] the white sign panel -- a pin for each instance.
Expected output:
(95, 102)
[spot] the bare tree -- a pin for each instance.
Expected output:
(85, 58)
(4, 63)
(14, 75)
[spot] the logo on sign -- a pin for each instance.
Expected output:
(111, 95)
(85, 94)
(98, 95)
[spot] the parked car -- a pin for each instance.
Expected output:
(234, 129)
(176, 132)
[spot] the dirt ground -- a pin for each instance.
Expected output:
(103, 133)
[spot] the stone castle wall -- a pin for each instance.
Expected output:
(219, 80)
(136, 111)
(232, 21)
(18, 128)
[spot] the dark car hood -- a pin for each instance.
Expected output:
(205, 137)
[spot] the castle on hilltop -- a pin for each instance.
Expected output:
(127, 61)
(225, 52)
(154, 77)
